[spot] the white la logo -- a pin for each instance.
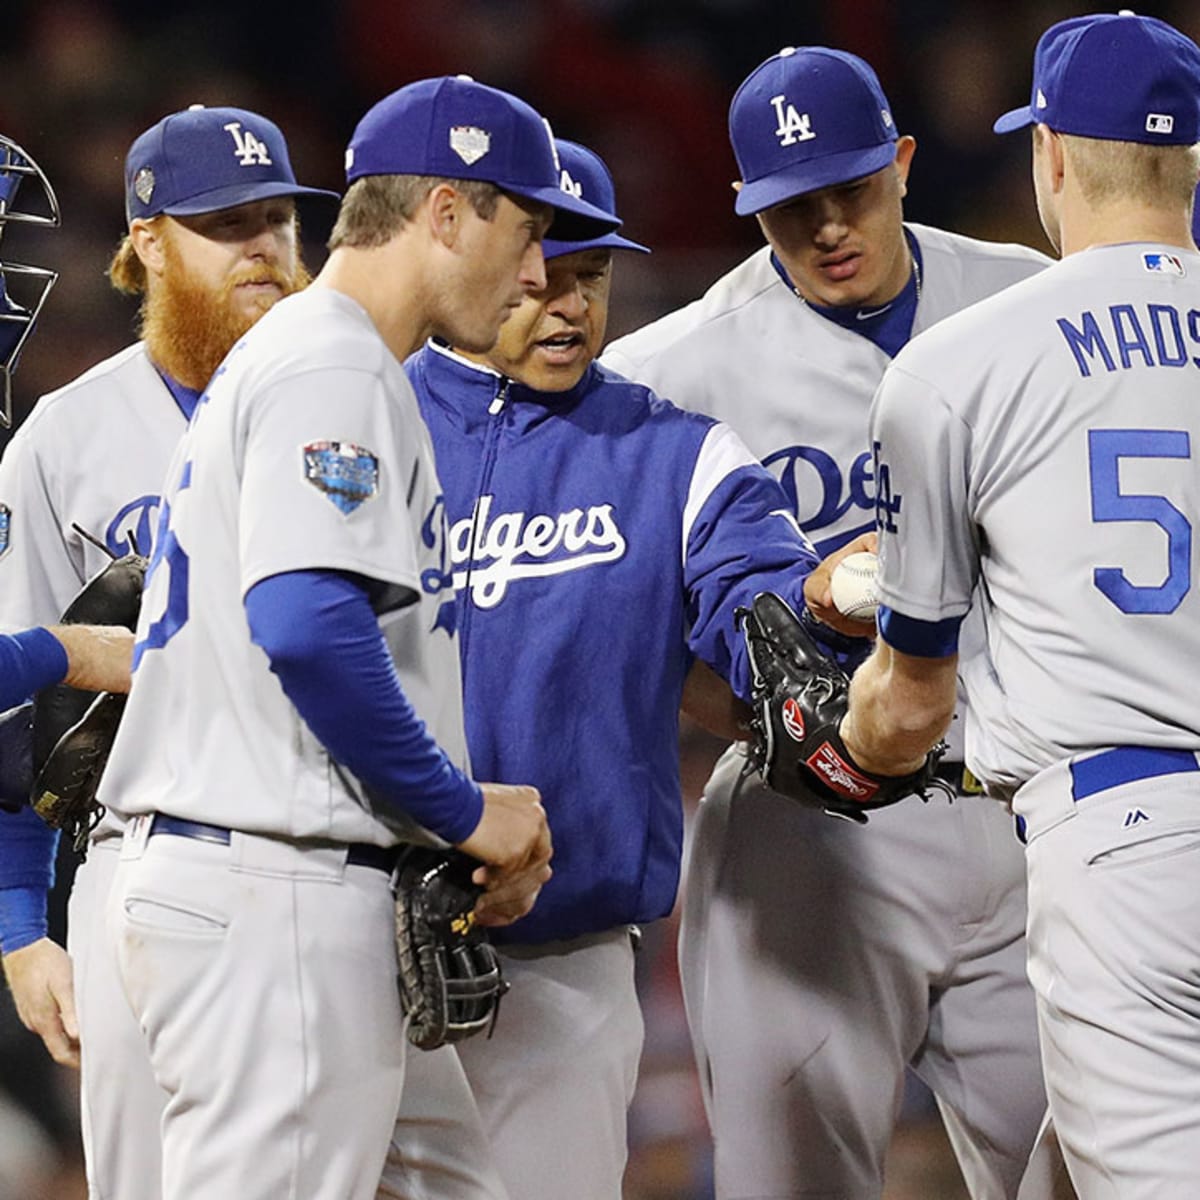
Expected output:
(793, 126)
(249, 149)
(570, 186)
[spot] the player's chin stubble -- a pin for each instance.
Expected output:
(188, 328)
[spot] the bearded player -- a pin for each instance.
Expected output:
(211, 246)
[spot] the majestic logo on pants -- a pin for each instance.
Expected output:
(491, 552)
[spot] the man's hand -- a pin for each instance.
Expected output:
(100, 657)
(39, 976)
(819, 598)
(512, 839)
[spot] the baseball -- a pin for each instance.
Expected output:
(853, 586)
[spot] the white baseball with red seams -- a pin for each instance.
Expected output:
(852, 585)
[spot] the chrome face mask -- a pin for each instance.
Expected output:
(25, 197)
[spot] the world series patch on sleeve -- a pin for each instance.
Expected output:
(800, 697)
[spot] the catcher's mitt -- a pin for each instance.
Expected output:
(800, 697)
(73, 730)
(450, 978)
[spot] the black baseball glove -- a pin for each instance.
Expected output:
(799, 699)
(73, 730)
(450, 978)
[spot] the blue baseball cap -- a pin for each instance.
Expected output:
(585, 176)
(807, 118)
(1116, 76)
(204, 159)
(456, 128)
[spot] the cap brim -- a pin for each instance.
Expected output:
(244, 193)
(553, 248)
(810, 176)
(1017, 118)
(574, 220)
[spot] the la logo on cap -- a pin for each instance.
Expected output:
(571, 186)
(470, 143)
(248, 149)
(792, 126)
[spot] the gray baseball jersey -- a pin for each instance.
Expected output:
(93, 454)
(308, 452)
(1047, 402)
(927, 963)
(90, 455)
(1054, 462)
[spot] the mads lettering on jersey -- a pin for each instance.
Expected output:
(5, 527)
(1124, 336)
(491, 551)
(347, 474)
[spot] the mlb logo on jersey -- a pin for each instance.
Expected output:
(5, 526)
(346, 473)
(1159, 123)
(1168, 264)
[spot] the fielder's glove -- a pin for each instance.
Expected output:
(799, 699)
(73, 730)
(450, 978)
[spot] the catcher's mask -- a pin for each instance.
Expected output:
(23, 289)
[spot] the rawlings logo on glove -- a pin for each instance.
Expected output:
(800, 697)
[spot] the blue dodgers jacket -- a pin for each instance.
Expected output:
(601, 539)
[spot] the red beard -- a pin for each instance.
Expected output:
(188, 328)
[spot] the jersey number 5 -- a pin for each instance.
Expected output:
(1106, 447)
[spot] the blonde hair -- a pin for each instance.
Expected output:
(376, 207)
(126, 272)
(1108, 171)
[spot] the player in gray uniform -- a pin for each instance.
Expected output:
(210, 197)
(438, 1146)
(1041, 445)
(908, 949)
(253, 926)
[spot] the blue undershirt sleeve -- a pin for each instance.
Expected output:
(325, 646)
(27, 846)
(29, 661)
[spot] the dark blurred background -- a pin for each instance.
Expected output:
(647, 83)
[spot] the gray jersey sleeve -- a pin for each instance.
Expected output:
(927, 551)
(318, 483)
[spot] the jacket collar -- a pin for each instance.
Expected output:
(466, 390)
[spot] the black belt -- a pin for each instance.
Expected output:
(359, 854)
(959, 777)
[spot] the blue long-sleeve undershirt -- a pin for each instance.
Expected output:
(29, 661)
(324, 644)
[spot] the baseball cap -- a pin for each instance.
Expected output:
(1116, 76)
(204, 159)
(585, 176)
(807, 118)
(453, 127)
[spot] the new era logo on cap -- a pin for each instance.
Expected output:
(205, 159)
(1116, 76)
(808, 118)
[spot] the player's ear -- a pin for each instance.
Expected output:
(445, 206)
(147, 237)
(906, 147)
